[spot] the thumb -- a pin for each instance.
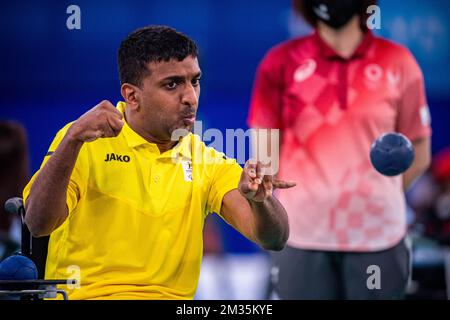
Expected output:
(248, 189)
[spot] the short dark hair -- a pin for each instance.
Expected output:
(151, 44)
(304, 8)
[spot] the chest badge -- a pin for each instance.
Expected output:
(187, 170)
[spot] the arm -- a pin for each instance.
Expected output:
(254, 211)
(46, 207)
(413, 119)
(421, 161)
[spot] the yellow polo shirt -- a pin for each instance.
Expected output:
(136, 216)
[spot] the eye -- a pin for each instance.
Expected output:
(171, 85)
(196, 82)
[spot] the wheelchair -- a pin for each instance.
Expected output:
(36, 250)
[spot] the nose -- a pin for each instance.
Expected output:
(190, 96)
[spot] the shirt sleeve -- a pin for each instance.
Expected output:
(78, 180)
(413, 117)
(225, 177)
(265, 104)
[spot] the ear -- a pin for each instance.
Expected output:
(131, 94)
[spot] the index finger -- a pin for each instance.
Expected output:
(117, 114)
(259, 173)
(280, 184)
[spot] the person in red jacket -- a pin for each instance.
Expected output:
(331, 94)
(14, 172)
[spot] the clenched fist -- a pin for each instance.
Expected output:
(102, 121)
(257, 186)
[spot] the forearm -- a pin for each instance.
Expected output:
(421, 162)
(411, 175)
(46, 207)
(271, 227)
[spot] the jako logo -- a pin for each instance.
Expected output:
(117, 157)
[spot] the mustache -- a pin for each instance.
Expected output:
(188, 113)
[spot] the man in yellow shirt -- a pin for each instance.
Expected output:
(124, 203)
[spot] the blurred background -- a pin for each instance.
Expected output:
(51, 75)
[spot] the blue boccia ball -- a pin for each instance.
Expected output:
(18, 267)
(392, 154)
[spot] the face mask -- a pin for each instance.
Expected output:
(335, 13)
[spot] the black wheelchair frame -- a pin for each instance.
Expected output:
(36, 250)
